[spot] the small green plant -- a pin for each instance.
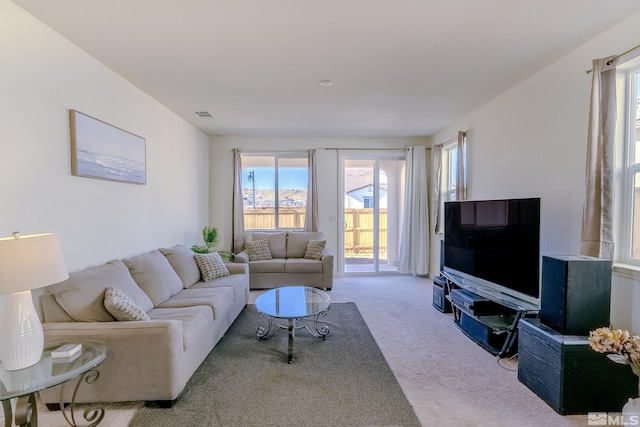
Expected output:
(210, 237)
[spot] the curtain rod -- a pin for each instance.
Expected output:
(617, 56)
(455, 138)
(368, 149)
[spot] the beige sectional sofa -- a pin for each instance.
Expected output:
(288, 262)
(151, 359)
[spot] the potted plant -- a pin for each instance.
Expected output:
(210, 237)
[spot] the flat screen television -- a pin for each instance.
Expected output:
(495, 243)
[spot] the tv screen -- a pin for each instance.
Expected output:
(495, 240)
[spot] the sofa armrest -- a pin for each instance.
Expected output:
(242, 257)
(327, 269)
(139, 351)
(237, 268)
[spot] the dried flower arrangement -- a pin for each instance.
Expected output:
(621, 346)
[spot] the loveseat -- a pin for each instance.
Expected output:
(183, 303)
(288, 258)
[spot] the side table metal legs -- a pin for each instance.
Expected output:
(26, 412)
(92, 415)
(292, 334)
(292, 325)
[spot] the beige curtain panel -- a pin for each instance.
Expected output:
(237, 204)
(597, 218)
(311, 212)
(461, 177)
(437, 189)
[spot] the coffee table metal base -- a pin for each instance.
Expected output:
(292, 325)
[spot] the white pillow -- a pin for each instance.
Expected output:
(121, 306)
(211, 266)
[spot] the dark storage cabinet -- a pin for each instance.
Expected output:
(567, 374)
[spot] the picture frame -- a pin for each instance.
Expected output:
(102, 151)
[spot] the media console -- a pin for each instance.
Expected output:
(487, 316)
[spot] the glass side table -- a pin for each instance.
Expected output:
(23, 384)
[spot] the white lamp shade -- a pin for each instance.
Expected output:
(26, 263)
(30, 262)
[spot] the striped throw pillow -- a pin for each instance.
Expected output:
(315, 249)
(211, 266)
(121, 306)
(258, 250)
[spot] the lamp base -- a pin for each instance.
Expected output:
(21, 333)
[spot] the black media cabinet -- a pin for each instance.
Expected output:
(487, 316)
(567, 374)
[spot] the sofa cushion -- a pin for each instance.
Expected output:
(121, 306)
(277, 242)
(183, 262)
(195, 320)
(258, 250)
(315, 249)
(267, 266)
(302, 265)
(81, 296)
(297, 242)
(153, 273)
(217, 299)
(237, 282)
(211, 266)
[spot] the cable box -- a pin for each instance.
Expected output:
(475, 304)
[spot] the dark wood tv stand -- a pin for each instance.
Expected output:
(495, 328)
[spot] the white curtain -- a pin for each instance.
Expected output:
(597, 217)
(237, 204)
(461, 178)
(311, 212)
(414, 235)
(437, 188)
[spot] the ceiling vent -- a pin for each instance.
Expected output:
(204, 114)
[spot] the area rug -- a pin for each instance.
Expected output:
(341, 381)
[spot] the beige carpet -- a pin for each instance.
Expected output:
(449, 380)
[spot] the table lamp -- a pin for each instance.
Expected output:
(26, 263)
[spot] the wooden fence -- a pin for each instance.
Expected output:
(358, 236)
(265, 218)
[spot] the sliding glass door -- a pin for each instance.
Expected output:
(372, 188)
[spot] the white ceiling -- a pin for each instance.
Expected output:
(399, 68)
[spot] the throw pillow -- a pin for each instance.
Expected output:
(81, 296)
(121, 306)
(258, 250)
(211, 266)
(315, 249)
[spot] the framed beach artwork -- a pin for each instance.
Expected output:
(102, 151)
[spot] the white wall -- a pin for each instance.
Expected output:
(531, 142)
(221, 159)
(42, 76)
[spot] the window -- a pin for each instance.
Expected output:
(449, 172)
(274, 190)
(631, 176)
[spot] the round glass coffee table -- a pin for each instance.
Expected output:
(293, 303)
